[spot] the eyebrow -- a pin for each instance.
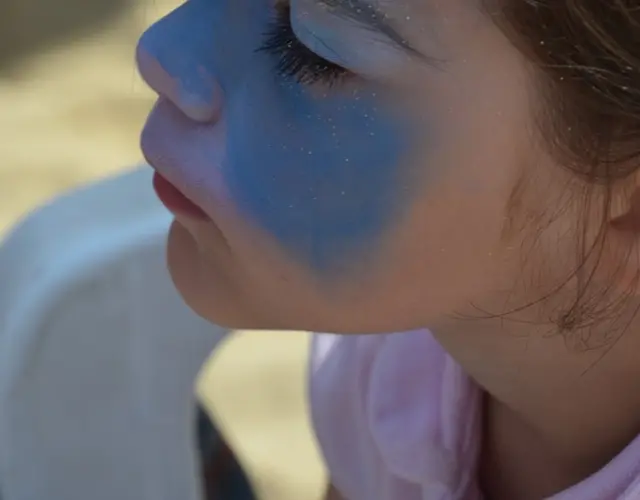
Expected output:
(371, 17)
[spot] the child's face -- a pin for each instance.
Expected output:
(374, 204)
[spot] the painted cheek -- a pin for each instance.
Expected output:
(324, 176)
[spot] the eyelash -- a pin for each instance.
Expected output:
(294, 59)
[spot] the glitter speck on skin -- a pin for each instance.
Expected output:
(282, 140)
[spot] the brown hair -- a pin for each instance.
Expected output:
(587, 54)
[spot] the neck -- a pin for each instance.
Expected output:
(552, 411)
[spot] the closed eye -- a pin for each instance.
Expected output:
(295, 60)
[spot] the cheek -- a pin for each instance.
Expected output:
(325, 177)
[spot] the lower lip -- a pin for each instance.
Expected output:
(174, 200)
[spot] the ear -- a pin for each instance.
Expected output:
(621, 253)
(629, 222)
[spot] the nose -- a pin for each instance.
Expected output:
(170, 66)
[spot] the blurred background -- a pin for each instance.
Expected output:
(71, 110)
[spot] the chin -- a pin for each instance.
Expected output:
(209, 287)
(206, 288)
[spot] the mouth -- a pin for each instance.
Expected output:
(165, 125)
(176, 202)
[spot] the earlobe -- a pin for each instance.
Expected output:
(619, 256)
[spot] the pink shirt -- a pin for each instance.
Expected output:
(398, 419)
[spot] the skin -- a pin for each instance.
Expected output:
(316, 176)
(452, 209)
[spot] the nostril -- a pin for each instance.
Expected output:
(202, 106)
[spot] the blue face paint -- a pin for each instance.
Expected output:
(321, 174)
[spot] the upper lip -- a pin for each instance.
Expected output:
(159, 148)
(149, 148)
(148, 157)
(153, 157)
